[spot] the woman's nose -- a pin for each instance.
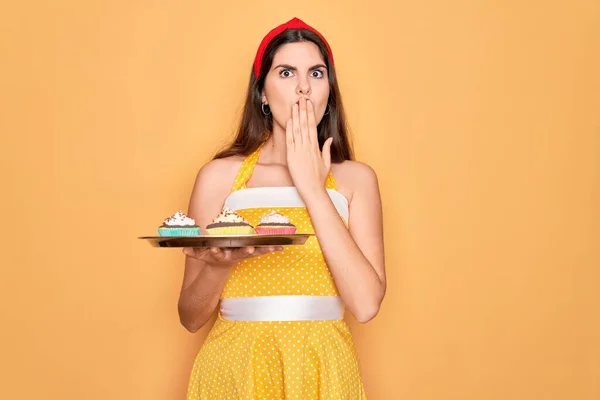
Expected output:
(303, 88)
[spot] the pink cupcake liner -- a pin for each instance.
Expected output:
(275, 231)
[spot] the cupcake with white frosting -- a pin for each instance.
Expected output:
(274, 223)
(179, 224)
(229, 223)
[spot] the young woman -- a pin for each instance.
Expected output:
(280, 332)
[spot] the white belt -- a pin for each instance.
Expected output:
(282, 308)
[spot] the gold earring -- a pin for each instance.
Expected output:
(262, 107)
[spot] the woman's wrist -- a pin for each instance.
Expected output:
(315, 197)
(219, 267)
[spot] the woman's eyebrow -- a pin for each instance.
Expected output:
(291, 68)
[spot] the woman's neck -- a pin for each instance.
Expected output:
(274, 150)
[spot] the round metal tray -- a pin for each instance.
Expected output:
(227, 240)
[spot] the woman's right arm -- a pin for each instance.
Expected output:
(207, 269)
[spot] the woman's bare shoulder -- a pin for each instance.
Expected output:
(212, 186)
(221, 171)
(352, 175)
(350, 167)
(215, 179)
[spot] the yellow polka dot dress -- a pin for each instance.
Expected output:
(297, 359)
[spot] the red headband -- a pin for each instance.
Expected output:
(294, 23)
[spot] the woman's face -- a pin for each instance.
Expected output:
(298, 70)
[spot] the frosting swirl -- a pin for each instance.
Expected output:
(228, 215)
(179, 219)
(274, 218)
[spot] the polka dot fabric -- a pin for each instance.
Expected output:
(278, 359)
(297, 270)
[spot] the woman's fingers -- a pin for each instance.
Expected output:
(228, 254)
(327, 153)
(296, 125)
(289, 134)
(312, 124)
(304, 130)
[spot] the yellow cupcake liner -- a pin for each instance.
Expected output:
(231, 230)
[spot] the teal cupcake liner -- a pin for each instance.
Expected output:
(179, 231)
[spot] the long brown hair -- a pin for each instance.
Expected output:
(255, 127)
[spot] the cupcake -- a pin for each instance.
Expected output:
(229, 223)
(179, 224)
(274, 223)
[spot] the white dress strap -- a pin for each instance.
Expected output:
(282, 308)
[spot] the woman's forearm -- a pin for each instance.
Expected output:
(199, 299)
(357, 281)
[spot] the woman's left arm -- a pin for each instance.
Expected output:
(354, 254)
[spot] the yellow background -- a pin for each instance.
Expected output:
(482, 120)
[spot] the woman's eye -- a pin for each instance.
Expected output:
(286, 73)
